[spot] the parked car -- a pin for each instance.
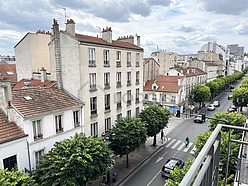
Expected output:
(232, 108)
(229, 96)
(216, 103)
(198, 119)
(169, 165)
(211, 107)
(231, 87)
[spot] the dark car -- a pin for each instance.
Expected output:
(231, 87)
(198, 119)
(169, 165)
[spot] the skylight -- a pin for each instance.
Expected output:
(10, 73)
(27, 98)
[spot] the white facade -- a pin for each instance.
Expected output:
(91, 72)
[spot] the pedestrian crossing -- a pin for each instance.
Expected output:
(179, 145)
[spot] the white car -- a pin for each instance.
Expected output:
(216, 103)
(211, 107)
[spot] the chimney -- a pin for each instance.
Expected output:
(107, 34)
(43, 74)
(57, 51)
(138, 41)
(70, 27)
(5, 94)
(128, 39)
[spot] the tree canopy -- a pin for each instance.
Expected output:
(201, 93)
(15, 178)
(74, 161)
(156, 118)
(127, 135)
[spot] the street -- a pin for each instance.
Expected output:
(149, 173)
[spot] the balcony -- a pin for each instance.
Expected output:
(118, 105)
(129, 64)
(106, 85)
(92, 63)
(118, 84)
(118, 63)
(106, 64)
(128, 102)
(93, 88)
(205, 168)
(137, 82)
(37, 137)
(128, 82)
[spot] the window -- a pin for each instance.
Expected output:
(137, 95)
(94, 129)
(92, 57)
(37, 130)
(38, 154)
(163, 97)
(173, 99)
(118, 79)
(107, 80)
(146, 96)
(129, 97)
(10, 162)
(137, 59)
(129, 113)
(92, 81)
(118, 116)
(154, 97)
(137, 77)
(128, 78)
(128, 59)
(58, 123)
(107, 102)
(107, 123)
(106, 57)
(93, 105)
(118, 58)
(76, 118)
(137, 111)
(118, 99)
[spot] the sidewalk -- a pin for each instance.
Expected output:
(136, 158)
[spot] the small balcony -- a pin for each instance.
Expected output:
(118, 63)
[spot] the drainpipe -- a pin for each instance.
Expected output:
(29, 161)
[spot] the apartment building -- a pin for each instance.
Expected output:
(150, 69)
(32, 53)
(105, 74)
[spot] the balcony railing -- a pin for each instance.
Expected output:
(204, 171)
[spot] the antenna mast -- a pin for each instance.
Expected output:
(63, 9)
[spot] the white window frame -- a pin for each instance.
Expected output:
(58, 120)
(76, 118)
(94, 129)
(92, 80)
(106, 57)
(137, 56)
(92, 57)
(128, 59)
(38, 154)
(118, 58)
(37, 129)
(107, 102)
(107, 79)
(93, 105)
(107, 123)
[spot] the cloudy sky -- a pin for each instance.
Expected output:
(181, 26)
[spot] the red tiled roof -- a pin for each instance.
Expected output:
(34, 83)
(8, 131)
(37, 101)
(6, 71)
(96, 40)
(165, 83)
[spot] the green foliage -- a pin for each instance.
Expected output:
(201, 93)
(127, 135)
(178, 174)
(232, 118)
(156, 118)
(74, 161)
(15, 178)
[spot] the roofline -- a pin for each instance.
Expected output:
(12, 139)
(23, 38)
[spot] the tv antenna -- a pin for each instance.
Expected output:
(63, 9)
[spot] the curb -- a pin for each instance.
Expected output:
(140, 164)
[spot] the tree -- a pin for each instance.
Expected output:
(240, 96)
(156, 118)
(74, 161)
(126, 136)
(201, 92)
(16, 177)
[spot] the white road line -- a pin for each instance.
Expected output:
(186, 149)
(172, 141)
(153, 178)
(183, 145)
(174, 146)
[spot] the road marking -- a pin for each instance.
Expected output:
(153, 179)
(181, 147)
(186, 149)
(172, 141)
(193, 150)
(174, 146)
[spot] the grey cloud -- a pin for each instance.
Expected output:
(159, 2)
(225, 6)
(186, 29)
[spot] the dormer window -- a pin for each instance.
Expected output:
(154, 88)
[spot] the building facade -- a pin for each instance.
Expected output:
(105, 74)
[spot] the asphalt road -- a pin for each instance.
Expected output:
(149, 173)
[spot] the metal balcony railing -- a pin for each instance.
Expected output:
(204, 170)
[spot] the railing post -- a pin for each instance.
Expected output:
(228, 155)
